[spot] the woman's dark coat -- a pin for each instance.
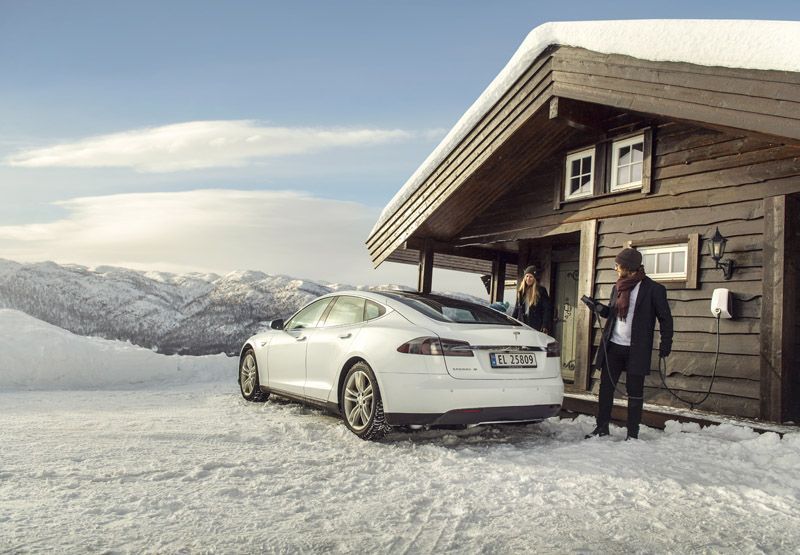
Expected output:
(651, 304)
(540, 316)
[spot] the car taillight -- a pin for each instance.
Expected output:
(436, 347)
(553, 349)
(454, 348)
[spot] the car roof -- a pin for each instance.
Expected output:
(379, 294)
(367, 294)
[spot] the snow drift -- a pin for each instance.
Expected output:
(37, 355)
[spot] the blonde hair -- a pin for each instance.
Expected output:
(531, 296)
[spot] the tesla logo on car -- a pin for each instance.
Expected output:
(516, 336)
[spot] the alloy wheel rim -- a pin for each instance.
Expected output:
(247, 375)
(359, 400)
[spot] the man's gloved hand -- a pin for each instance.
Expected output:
(664, 352)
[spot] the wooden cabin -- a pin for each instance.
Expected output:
(584, 153)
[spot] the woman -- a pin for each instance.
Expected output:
(533, 303)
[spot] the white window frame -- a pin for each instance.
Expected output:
(616, 146)
(661, 249)
(589, 186)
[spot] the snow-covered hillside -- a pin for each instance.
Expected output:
(194, 314)
(37, 355)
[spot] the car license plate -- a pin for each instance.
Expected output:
(513, 360)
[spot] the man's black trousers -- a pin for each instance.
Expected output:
(617, 361)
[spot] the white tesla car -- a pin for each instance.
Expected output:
(390, 358)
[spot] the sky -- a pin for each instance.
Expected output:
(218, 136)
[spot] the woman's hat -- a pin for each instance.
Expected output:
(531, 270)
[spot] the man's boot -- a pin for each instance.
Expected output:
(599, 430)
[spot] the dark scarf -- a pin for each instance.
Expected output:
(624, 288)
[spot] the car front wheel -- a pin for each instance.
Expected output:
(362, 408)
(248, 378)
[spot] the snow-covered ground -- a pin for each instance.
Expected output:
(197, 469)
(37, 355)
(107, 447)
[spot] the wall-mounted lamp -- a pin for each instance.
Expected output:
(717, 251)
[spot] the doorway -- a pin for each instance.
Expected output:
(565, 299)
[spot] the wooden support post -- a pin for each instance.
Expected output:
(425, 268)
(777, 311)
(498, 278)
(583, 334)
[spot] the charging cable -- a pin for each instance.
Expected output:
(662, 367)
(662, 372)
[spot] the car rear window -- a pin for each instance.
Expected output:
(445, 309)
(373, 310)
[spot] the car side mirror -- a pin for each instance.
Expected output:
(276, 324)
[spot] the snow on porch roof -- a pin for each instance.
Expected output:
(748, 44)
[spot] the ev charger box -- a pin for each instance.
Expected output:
(721, 304)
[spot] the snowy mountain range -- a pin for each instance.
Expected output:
(191, 314)
(186, 314)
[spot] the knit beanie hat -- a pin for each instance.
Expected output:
(630, 259)
(531, 270)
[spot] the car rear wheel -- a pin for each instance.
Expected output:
(362, 408)
(248, 378)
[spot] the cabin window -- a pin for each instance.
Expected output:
(672, 260)
(612, 166)
(627, 163)
(579, 174)
(665, 262)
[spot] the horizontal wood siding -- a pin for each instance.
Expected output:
(689, 370)
(703, 179)
(765, 102)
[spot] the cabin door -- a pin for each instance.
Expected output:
(565, 322)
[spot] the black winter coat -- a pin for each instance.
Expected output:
(539, 317)
(651, 304)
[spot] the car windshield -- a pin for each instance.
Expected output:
(445, 309)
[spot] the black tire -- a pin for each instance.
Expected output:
(249, 384)
(361, 405)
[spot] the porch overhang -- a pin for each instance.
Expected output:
(562, 92)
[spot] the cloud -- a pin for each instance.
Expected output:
(279, 232)
(199, 145)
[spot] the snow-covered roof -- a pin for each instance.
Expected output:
(748, 44)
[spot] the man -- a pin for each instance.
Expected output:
(636, 302)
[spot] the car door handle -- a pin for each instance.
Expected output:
(345, 336)
(301, 338)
